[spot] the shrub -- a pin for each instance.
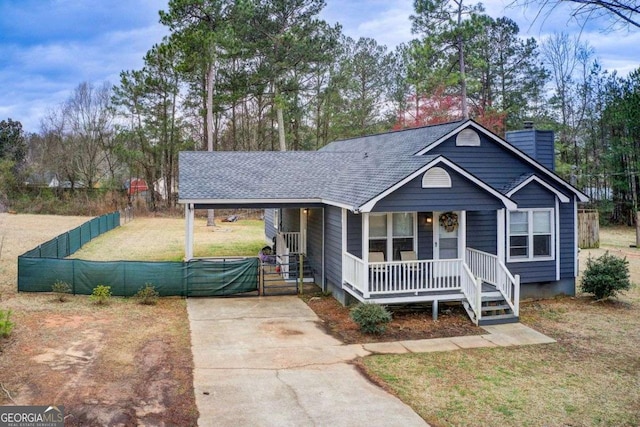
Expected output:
(6, 325)
(147, 295)
(62, 290)
(605, 276)
(371, 318)
(101, 294)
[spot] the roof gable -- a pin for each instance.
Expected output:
(539, 168)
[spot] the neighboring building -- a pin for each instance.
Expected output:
(136, 187)
(448, 212)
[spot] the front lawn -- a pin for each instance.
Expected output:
(162, 239)
(590, 377)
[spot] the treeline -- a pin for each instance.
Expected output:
(272, 75)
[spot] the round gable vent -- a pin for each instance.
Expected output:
(468, 138)
(436, 178)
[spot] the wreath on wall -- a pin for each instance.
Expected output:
(449, 221)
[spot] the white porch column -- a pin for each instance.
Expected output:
(189, 215)
(365, 254)
(463, 235)
(344, 239)
(501, 235)
(303, 230)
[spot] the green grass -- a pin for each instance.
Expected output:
(590, 377)
(162, 239)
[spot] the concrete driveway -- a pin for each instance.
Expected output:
(266, 362)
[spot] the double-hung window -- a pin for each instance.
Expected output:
(392, 233)
(531, 235)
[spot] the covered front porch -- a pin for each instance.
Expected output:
(409, 257)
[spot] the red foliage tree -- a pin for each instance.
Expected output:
(441, 107)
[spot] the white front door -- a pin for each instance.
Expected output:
(448, 232)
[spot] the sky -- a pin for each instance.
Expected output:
(48, 47)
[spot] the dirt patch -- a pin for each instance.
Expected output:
(410, 322)
(124, 364)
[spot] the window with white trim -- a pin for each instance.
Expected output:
(276, 219)
(531, 235)
(392, 233)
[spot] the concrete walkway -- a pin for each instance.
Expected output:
(267, 362)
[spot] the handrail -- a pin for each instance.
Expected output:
(493, 271)
(472, 289)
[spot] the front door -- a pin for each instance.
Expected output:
(446, 234)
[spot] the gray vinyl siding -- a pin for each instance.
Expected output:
(425, 236)
(314, 242)
(290, 219)
(534, 196)
(537, 144)
(567, 241)
(462, 195)
(333, 245)
(354, 234)
(490, 162)
(269, 229)
(482, 231)
(534, 271)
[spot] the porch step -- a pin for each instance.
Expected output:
(495, 310)
(493, 296)
(495, 307)
(498, 319)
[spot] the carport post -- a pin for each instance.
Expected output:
(189, 215)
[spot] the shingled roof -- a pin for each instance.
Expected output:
(348, 173)
(406, 141)
(347, 178)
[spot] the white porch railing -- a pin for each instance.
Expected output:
(472, 289)
(402, 277)
(293, 240)
(493, 271)
(395, 277)
(353, 271)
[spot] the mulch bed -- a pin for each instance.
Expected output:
(410, 322)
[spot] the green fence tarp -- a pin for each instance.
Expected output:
(41, 267)
(70, 242)
(196, 278)
(224, 277)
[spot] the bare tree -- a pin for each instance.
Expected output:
(621, 14)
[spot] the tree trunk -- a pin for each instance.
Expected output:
(280, 116)
(211, 76)
(463, 77)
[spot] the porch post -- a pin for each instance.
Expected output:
(189, 215)
(344, 240)
(365, 254)
(516, 295)
(501, 233)
(463, 235)
(303, 231)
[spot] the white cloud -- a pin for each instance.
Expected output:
(390, 28)
(41, 77)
